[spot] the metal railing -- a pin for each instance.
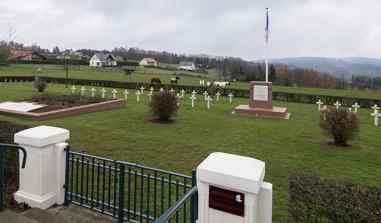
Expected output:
(2, 147)
(126, 191)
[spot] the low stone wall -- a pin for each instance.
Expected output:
(106, 105)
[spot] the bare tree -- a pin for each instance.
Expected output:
(5, 47)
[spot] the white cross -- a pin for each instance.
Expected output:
(319, 103)
(337, 104)
(73, 89)
(350, 110)
(161, 89)
(376, 115)
(178, 99)
(5, 80)
(218, 95)
(356, 106)
(193, 98)
(182, 93)
(172, 90)
(150, 96)
(205, 95)
(142, 90)
(152, 89)
(324, 108)
(137, 96)
(208, 99)
(103, 92)
(230, 97)
(93, 92)
(375, 107)
(83, 90)
(114, 93)
(194, 92)
(21, 82)
(126, 94)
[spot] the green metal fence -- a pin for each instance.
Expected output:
(127, 191)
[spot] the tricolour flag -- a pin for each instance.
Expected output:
(267, 25)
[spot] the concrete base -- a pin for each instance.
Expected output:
(43, 203)
(275, 112)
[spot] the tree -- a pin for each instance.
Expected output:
(272, 73)
(5, 48)
(56, 50)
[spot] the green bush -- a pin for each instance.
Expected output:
(340, 124)
(164, 105)
(40, 84)
(319, 200)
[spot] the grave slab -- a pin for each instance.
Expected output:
(20, 106)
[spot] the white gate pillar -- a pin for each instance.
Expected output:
(43, 178)
(231, 189)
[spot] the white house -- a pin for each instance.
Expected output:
(187, 65)
(148, 62)
(102, 59)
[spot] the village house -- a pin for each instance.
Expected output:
(187, 65)
(102, 59)
(148, 62)
(119, 59)
(22, 55)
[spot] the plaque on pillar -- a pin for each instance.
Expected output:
(261, 102)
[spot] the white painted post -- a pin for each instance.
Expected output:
(319, 103)
(93, 92)
(103, 92)
(193, 98)
(114, 92)
(337, 104)
(178, 99)
(182, 93)
(226, 174)
(142, 90)
(126, 94)
(137, 96)
(356, 106)
(73, 89)
(218, 95)
(43, 178)
(205, 95)
(208, 100)
(83, 91)
(230, 97)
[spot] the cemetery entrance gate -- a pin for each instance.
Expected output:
(128, 191)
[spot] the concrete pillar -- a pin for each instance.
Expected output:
(43, 178)
(231, 189)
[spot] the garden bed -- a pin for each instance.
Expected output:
(64, 105)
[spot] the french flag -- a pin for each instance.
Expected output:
(267, 25)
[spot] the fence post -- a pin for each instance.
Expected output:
(66, 186)
(194, 199)
(121, 193)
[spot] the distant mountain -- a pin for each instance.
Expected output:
(335, 66)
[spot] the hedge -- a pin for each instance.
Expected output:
(320, 200)
(277, 95)
(72, 62)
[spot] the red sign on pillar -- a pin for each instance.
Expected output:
(227, 201)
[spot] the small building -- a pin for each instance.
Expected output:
(103, 60)
(22, 55)
(148, 62)
(187, 65)
(119, 59)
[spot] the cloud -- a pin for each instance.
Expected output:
(333, 28)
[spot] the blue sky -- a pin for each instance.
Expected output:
(331, 28)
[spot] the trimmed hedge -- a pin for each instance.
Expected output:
(319, 200)
(72, 62)
(277, 95)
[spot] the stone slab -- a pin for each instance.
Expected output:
(261, 94)
(20, 106)
(12, 217)
(275, 112)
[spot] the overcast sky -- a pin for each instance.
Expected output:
(331, 28)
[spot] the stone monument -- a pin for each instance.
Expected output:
(261, 102)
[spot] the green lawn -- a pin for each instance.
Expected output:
(145, 75)
(285, 145)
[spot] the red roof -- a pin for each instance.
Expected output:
(16, 54)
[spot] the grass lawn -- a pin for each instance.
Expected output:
(285, 145)
(145, 75)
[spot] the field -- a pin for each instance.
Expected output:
(145, 75)
(285, 145)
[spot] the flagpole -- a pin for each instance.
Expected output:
(267, 45)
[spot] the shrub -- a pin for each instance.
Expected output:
(340, 124)
(164, 105)
(320, 200)
(40, 84)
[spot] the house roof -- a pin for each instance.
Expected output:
(15, 54)
(150, 60)
(186, 63)
(105, 56)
